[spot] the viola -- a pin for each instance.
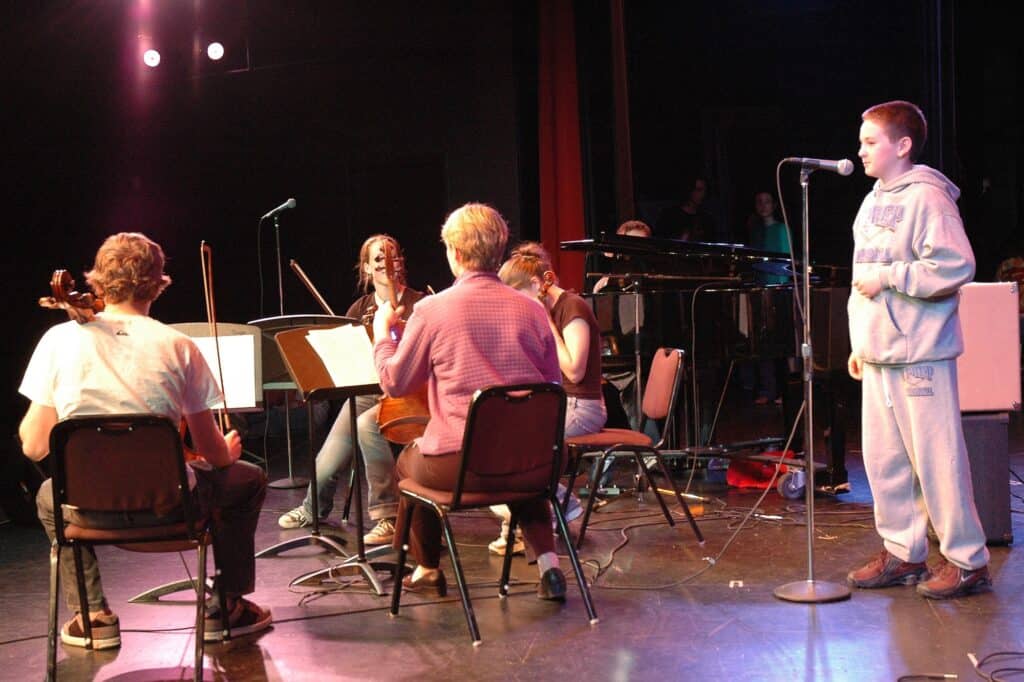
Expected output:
(80, 307)
(403, 419)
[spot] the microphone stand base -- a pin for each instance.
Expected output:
(812, 592)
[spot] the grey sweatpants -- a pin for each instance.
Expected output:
(916, 461)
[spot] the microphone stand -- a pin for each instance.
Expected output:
(809, 591)
(291, 481)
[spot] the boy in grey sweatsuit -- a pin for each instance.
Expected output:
(910, 258)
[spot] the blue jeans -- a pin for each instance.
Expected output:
(336, 454)
(584, 415)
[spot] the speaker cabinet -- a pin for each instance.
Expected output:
(988, 372)
(987, 437)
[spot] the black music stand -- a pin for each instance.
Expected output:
(276, 377)
(314, 382)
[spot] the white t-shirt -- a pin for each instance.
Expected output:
(119, 364)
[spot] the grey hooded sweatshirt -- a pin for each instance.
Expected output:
(908, 233)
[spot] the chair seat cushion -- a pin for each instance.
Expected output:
(164, 538)
(469, 498)
(608, 437)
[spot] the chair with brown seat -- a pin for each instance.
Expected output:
(509, 430)
(659, 402)
(125, 475)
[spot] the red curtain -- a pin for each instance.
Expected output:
(561, 168)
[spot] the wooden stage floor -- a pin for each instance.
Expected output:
(666, 611)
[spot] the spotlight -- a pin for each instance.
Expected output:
(214, 51)
(151, 58)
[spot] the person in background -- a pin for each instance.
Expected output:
(688, 220)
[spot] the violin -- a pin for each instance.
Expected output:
(401, 420)
(80, 307)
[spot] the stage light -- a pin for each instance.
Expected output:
(151, 58)
(214, 51)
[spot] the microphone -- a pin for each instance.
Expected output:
(842, 166)
(286, 205)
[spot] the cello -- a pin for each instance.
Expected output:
(80, 307)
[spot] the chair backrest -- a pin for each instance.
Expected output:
(112, 464)
(514, 429)
(663, 383)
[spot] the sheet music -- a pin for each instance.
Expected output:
(347, 354)
(238, 353)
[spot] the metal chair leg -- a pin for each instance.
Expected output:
(563, 529)
(679, 497)
(591, 498)
(83, 599)
(650, 483)
(396, 591)
(506, 563)
(467, 605)
(51, 636)
(200, 586)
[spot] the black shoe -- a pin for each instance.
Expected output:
(552, 585)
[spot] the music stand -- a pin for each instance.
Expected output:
(276, 377)
(314, 382)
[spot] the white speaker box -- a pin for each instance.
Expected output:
(989, 369)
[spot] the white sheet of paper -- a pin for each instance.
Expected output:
(347, 354)
(238, 354)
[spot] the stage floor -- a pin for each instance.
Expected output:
(666, 611)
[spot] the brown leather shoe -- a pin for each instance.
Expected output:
(950, 581)
(433, 585)
(885, 570)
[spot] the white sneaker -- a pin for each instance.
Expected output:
(382, 534)
(498, 546)
(296, 518)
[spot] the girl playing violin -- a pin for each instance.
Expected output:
(337, 449)
(578, 340)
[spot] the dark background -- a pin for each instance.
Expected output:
(384, 116)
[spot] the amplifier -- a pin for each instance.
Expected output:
(987, 437)
(989, 369)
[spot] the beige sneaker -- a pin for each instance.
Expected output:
(106, 631)
(382, 534)
(498, 546)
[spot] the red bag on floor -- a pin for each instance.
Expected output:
(747, 473)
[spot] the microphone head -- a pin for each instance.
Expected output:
(291, 202)
(844, 166)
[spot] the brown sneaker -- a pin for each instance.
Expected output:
(950, 581)
(885, 570)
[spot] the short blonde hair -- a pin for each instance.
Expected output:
(634, 226)
(479, 233)
(365, 280)
(528, 260)
(129, 266)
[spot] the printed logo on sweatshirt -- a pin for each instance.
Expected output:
(886, 216)
(917, 380)
(872, 254)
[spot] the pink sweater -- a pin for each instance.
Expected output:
(476, 333)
